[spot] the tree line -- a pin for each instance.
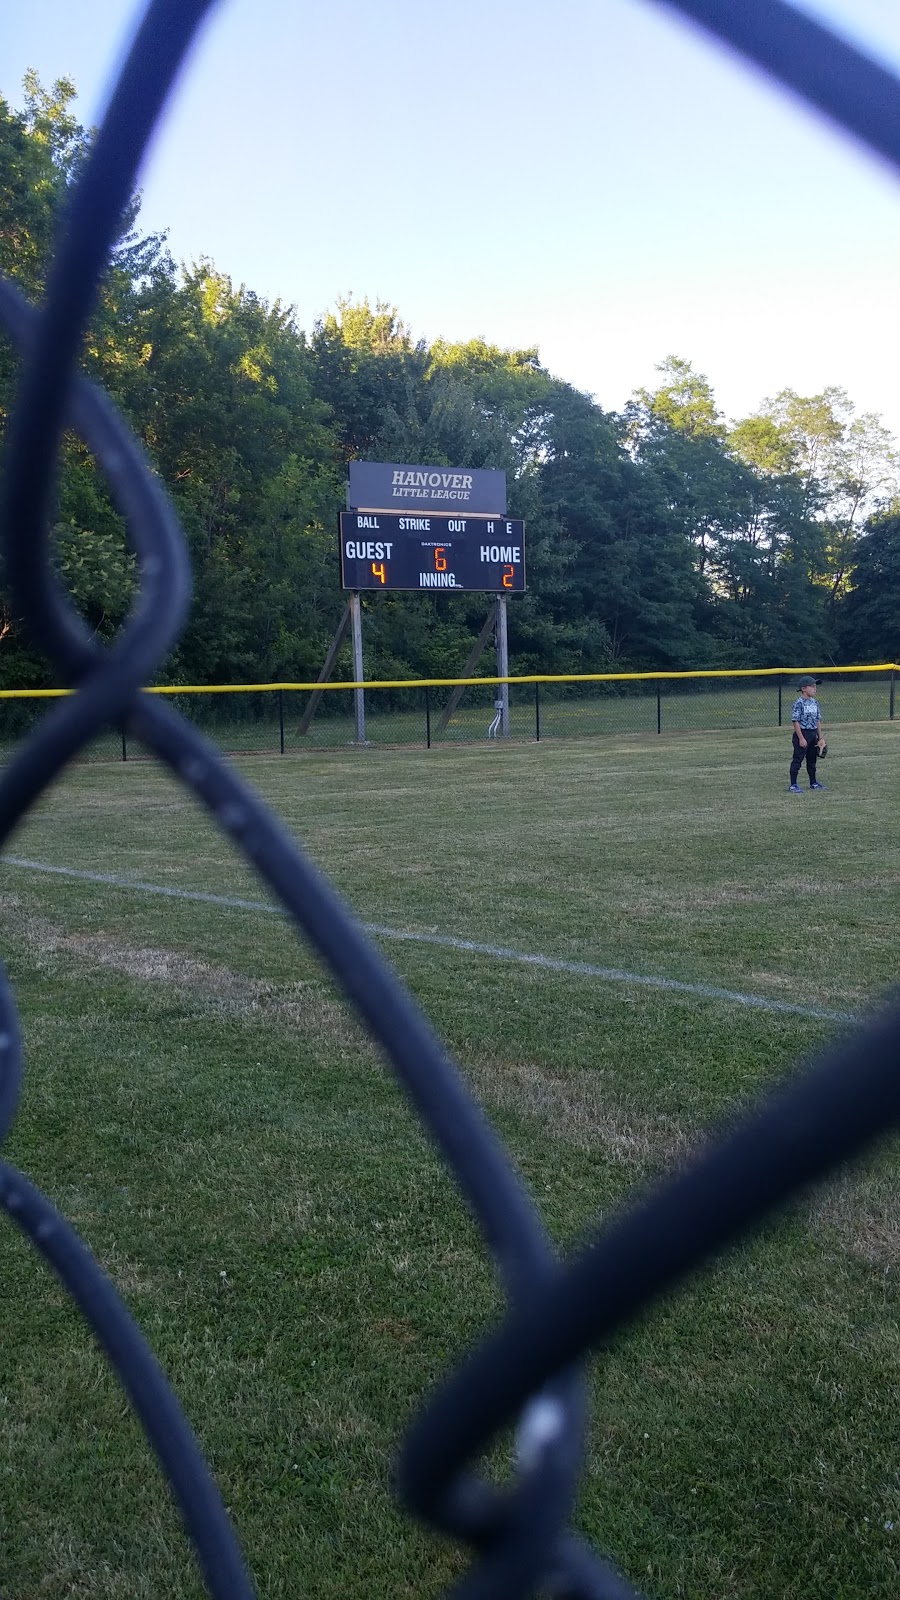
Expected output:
(660, 537)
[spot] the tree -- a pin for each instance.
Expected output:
(363, 362)
(659, 538)
(225, 401)
(634, 577)
(677, 431)
(848, 465)
(869, 615)
(743, 504)
(683, 403)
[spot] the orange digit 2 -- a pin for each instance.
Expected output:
(508, 575)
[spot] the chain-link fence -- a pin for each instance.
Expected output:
(525, 1372)
(274, 719)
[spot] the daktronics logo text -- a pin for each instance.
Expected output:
(436, 485)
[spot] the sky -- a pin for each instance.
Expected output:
(594, 178)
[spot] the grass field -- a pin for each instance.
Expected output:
(203, 1108)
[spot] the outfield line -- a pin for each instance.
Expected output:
(446, 941)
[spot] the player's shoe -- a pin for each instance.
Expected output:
(818, 786)
(795, 789)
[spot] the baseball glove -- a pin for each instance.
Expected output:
(823, 750)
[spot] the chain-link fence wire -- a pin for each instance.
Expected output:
(847, 697)
(700, 704)
(19, 716)
(526, 1369)
(247, 723)
(392, 717)
(263, 722)
(275, 721)
(472, 713)
(720, 704)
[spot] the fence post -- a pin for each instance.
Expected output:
(281, 720)
(658, 709)
(124, 746)
(779, 702)
(427, 719)
(892, 694)
(537, 712)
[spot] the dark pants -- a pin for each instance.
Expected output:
(810, 755)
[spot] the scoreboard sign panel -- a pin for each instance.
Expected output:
(387, 486)
(381, 550)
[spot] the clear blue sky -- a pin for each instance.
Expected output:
(595, 179)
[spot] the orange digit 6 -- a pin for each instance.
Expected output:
(508, 575)
(440, 560)
(378, 571)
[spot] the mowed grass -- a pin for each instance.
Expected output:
(203, 1107)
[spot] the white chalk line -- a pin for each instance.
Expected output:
(447, 941)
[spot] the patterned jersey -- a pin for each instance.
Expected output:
(806, 712)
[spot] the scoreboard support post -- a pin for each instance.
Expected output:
(502, 666)
(359, 695)
(474, 657)
(312, 703)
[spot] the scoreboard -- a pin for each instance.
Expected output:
(430, 550)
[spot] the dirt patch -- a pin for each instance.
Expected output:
(727, 894)
(300, 1005)
(578, 1109)
(860, 1213)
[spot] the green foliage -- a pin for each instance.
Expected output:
(364, 365)
(664, 537)
(683, 403)
(870, 615)
(95, 564)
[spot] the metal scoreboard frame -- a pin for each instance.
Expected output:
(432, 552)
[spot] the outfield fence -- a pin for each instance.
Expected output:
(268, 718)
